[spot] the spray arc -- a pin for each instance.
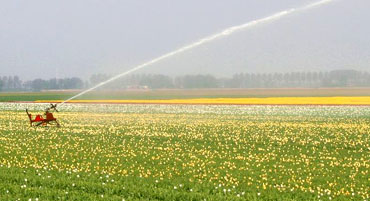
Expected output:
(205, 40)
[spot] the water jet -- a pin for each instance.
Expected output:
(205, 40)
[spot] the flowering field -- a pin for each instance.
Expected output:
(186, 152)
(363, 100)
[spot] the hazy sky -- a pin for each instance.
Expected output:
(44, 38)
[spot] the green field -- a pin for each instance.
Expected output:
(184, 94)
(178, 152)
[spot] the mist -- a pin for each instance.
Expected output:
(74, 38)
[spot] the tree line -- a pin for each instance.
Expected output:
(13, 83)
(337, 78)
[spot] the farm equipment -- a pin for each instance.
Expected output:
(40, 120)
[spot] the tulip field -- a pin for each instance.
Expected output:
(186, 152)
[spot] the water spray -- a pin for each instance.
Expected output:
(208, 39)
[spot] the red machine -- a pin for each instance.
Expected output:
(44, 121)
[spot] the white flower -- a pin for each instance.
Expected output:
(258, 194)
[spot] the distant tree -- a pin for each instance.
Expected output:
(76, 83)
(236, 81)
(86, 84)
(53, 84)
(10, 83)
(38, 84)
(366, 79)
(276, 80)
(156, 81)
(315, 79)
(336, 78)
(199, 81)
(4, 80)
(17, 83)
(98, 78)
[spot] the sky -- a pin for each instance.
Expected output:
(47, 39)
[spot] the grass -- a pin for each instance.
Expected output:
(177, 152)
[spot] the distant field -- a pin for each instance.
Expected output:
(363, 100)
(185, 94)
